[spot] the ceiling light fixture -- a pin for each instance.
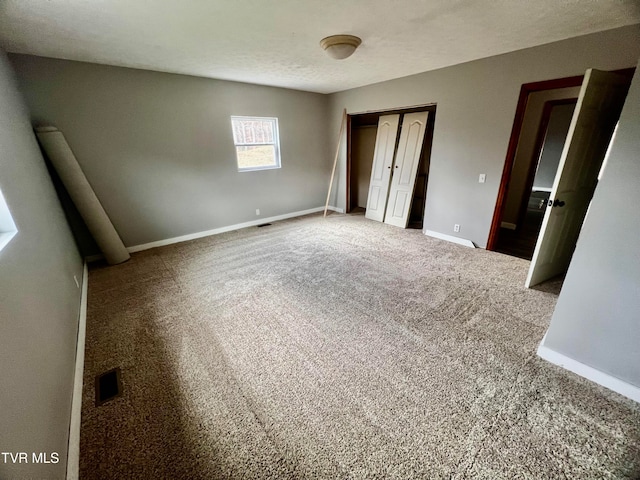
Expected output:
(340, 46)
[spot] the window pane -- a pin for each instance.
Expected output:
(253, 131)
(258, 156)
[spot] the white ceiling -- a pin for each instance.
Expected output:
(275, 42)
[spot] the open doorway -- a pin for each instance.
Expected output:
(530, 183)
(526, 90)
(362, 130)
(592, 124)
(596, 115)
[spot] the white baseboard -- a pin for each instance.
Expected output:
(450, 238)
(73, 453)
(590, 373)
(508, 225)
(228, 228)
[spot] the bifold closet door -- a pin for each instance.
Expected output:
(405, 169)
(381, 168)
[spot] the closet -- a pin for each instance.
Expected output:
(389, 164)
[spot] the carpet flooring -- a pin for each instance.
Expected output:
(337, 348)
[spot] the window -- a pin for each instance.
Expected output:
(7, 227)
(257, 143)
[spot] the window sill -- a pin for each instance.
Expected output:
(254, 169)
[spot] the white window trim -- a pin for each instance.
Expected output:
(7, 226)
(5, 238)
(275, 144)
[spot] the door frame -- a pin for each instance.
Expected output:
(431, 107)
(525, 90)
(516, 130)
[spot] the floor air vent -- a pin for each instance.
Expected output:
(264, 225)
(108, 386)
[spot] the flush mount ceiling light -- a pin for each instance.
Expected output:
(340, 46)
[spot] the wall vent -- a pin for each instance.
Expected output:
(108, 386)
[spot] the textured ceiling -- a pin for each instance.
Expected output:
(275, 42)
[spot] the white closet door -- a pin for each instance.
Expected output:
(381, 168)
(406, 168)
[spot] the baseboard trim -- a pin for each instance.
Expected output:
(508, 225)
(450, 238)
(590, 373)
(228, 228)
(73, 453)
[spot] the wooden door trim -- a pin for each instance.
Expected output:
(523, 98)
(398, 110)
(348, 202)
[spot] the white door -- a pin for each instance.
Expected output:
(406, 168)
(594, 119)
(381, 168)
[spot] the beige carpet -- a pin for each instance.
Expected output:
(337, 348)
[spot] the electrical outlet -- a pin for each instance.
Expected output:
(257, 211)
(482, 178)
(456, 228)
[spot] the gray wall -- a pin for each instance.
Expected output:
(559, 121)
(476, 106)
(158, 150)
(39, 301)
(597, 317)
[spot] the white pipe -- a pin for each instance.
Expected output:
(83, 196)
